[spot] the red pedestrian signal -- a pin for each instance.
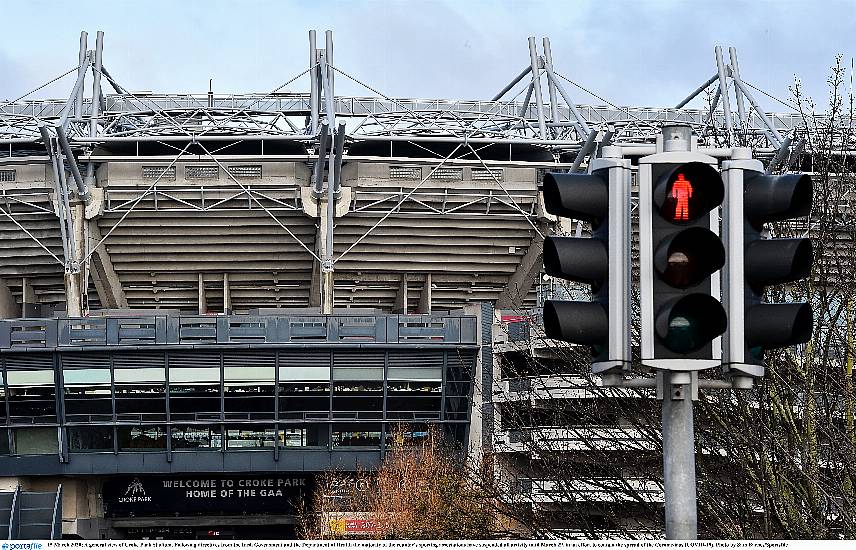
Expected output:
(682, 192)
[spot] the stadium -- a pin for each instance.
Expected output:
(207, 300)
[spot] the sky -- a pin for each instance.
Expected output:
(648, 53)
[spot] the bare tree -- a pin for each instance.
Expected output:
(422, 490)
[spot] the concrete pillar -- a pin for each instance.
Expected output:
(401, 298)
(8, 305)
(106, 280)
(327, 279)
(29, 307)
(203, 300)
(74, 286)
(227, 295)
(425, 296)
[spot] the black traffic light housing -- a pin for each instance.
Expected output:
(602, 199)
(680, 253)
(756, 262)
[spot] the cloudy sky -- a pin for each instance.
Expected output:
(632, 52)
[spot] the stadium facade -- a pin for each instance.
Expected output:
(208, 299)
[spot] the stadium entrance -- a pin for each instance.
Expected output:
(206, 506)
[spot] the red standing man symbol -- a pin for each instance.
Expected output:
(682, 190)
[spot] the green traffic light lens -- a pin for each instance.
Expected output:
(684, 335)
(687, 324)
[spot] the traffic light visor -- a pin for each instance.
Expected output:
(688, 192)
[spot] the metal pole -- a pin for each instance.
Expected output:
(528, 97)
(536, 81)
(551, 86)
(318, 172)
(328, 37)
(713, 105)
(331, 210)
(723, 86)
(777, 137)
(76, 92)
(96, 102)
(780, 155)
(511, 84)
(582, 125)
(679, 477)
(735, 75)
(81, 73)
(699, 90)
(313, 89)
(82, 191)
(587, 148)
(339, 144)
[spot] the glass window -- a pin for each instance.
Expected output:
(250, 437)
(140, 402)
(248, 401)
(249, 374)
(416, 373)
(358, 373)
(2, 403)
(77, 377)
(181, 375)
(142, 438)
(362, 400)
(356, 435)
(29, 377)
(32, 404)
(36, 441)
(410, 400)
(194, 402)
(88, 403)
(304, 374)
(405, 435)
(4, 441)
(90, 438)
(197, 437)
(306, 435)
(139, 375)
(304, 400)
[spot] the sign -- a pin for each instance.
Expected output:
(346, 524)
(130, 496)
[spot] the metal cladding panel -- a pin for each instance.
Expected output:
(191, 462)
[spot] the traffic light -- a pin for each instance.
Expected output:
(680, 253)
(755, 262)
(601, 198)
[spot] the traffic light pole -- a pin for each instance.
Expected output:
(679, 475)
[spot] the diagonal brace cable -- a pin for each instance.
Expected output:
(400, 202)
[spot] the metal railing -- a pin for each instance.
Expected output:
(29, 334)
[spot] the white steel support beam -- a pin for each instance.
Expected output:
(551, 85)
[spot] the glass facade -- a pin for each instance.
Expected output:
(225, 400)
